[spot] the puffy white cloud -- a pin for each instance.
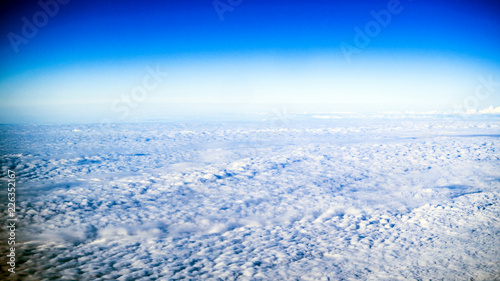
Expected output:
(490, 110)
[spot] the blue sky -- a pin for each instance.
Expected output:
(91, 55)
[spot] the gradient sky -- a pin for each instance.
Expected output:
(90, 55)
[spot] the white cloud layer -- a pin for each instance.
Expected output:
(318, 199)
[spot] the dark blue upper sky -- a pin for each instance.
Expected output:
(108, 30)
